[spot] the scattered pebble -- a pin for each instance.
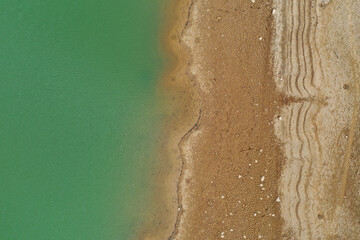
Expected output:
(278, 199)
(262, 178)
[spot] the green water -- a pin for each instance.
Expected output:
(78, 117)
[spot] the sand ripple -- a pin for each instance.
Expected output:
(316, 65)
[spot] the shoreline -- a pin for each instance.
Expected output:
(178, 95)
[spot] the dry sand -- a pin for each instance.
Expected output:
(316, 61)
(265, 139)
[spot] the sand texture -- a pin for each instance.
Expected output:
(228, 183)
(272, 141)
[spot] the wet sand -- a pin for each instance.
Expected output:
(231, 159)
(265, 133)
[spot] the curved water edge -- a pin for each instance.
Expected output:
(178, 99)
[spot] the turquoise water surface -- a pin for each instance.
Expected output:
(78, 117)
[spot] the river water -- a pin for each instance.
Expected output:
(79, 117)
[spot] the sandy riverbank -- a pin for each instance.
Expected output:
(264, 138)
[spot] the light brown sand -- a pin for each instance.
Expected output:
(316, 56)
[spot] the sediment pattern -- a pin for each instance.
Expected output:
(316, 66)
